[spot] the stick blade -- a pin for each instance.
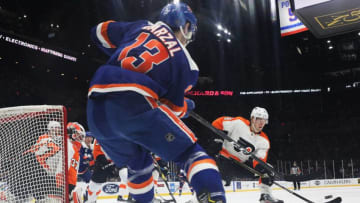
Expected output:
(336, 200)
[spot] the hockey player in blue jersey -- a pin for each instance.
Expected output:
(136, 101)
(183, 180)
(86, 158)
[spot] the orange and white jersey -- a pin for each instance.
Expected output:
(240, 127)
(98, 150)
(48, 153)
(73, 160)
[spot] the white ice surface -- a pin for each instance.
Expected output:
(348, 194)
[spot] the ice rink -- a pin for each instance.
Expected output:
(348, 194)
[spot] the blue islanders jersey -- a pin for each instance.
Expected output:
(86, 157)
(145, 58)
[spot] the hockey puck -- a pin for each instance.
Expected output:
(328, 196)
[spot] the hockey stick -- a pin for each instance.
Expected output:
(336, 200)
(163, 199)
(157, 166)
(226, 137)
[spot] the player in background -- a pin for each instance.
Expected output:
(123, 188)
(183, 180)
(86, 158)
(76, 134)
(136, 101)
(251, 133)
(295, 171)
(164, 170)
(47, 146)
(103, 168)
(48, 154)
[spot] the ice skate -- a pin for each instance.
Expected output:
(266, 198)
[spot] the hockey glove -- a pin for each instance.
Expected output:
(190, 106)
(244, 146)
(213, 148)
(268, 176)
(71, 188)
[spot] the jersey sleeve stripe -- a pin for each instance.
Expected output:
(176, 109)
(227, 154)
(101, 34)
(123, 87)
(152, 102)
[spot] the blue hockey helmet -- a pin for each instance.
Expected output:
(89, 134)
(176, 15)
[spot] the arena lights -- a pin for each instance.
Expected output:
(244, 93)
(216, 93)
(211, 93)
(35, 47)
(223, 29)
(265, 92)
(223, 32)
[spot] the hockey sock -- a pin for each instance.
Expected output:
(123, 174)
(266, 189)
(140, 179)
(155, 175)
(94, 190)
(202, 172)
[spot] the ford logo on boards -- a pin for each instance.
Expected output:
(110, 188)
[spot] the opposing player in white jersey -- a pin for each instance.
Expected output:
(250, 132)
(47, 152)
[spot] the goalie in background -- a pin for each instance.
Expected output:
(76, 134)
(257, 142)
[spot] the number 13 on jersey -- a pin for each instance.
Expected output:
(145, 59)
